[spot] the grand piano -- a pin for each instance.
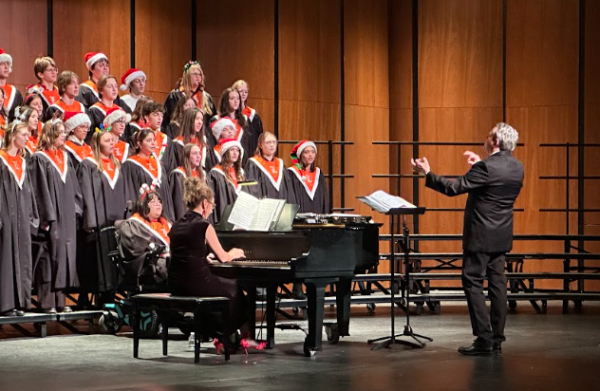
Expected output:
(317, 252)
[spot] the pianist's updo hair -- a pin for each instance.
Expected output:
(195, 191)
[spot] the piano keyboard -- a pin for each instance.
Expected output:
(244, 262)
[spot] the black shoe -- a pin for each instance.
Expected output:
(10, 313)
(49, 310)
(497, 349)
(299, 295)
(476, 350)
(66, 310)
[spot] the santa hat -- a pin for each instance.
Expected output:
(298, 148)
(229, 143)
(73, 119)
(218, 126)
(91, 58)
(113, 115)
(5, 57)
(130, 76)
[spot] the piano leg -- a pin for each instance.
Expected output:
(271, 291)
(315, 293)
(342, 299)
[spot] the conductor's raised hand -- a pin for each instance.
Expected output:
(472, 157)
(421, 165)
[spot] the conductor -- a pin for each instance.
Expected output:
(493, 185)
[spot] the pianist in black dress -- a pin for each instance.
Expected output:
(189, 270)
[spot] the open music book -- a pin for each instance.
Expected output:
(383, 202)
(251, 214)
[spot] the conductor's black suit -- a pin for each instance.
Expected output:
(492, 185)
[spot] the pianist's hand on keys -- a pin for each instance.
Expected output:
(233, 254)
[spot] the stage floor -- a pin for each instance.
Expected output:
(543, 352)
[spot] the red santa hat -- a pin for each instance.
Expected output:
(130, 76)
(92, 57)
(229, 143)
(218, 126)
(299, 148)
(115, 114)
(5, 57)
(73, 119)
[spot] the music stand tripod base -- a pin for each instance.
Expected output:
(413, 340)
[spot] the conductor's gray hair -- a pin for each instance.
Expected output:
(506, 135)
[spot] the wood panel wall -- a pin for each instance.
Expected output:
(93, 27)
(228, 54)
(162, 43)
(542, 98)
(24, 36)
(309, 74)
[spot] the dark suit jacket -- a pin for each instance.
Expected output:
(493, 185)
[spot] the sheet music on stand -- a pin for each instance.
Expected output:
(383, 202)
(396, 206)
(253, 214)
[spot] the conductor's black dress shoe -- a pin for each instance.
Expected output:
(477, 349)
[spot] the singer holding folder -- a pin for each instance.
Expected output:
(492, 185)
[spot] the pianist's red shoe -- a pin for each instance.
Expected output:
(218, 346)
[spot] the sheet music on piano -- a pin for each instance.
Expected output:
(253, 214)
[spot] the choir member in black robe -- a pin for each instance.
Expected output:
(267, 169)
(77, 126)
(182, 105)
(189, 271)
(191, 84)
(191, 132)
(68, 88)
(230, 108)
(153, 114)
(145, 232)
(104, 201)
(29, 116)
(18, 220)
(224, 178)
(3, 116)
(135, 81)
(115, 122)
(223, 129)
(191, 167)
(97, 65)
(108, 91)
(307, 186)
(137, 122)
(34, 100)
(12, 96)
(145, 168)
(255, 126)
(46, 72)
(59, 204)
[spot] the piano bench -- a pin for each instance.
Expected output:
(164, 304)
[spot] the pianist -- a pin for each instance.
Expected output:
(189, 270)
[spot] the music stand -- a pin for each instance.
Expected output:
(405, 244)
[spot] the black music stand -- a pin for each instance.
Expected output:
(385, 342)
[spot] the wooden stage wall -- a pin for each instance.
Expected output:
(343, 69)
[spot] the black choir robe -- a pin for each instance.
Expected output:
(225, 191)
(12, 100)
(104, 202)
(315, 201)
(97, 113)
(267, 186)
(59, 202)
(165, 153)
(61, 107)
(18, 220)
(255, 128)
(172, 129)
(176, 181)
(136, 175)
(129, 135)
(88, 94)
